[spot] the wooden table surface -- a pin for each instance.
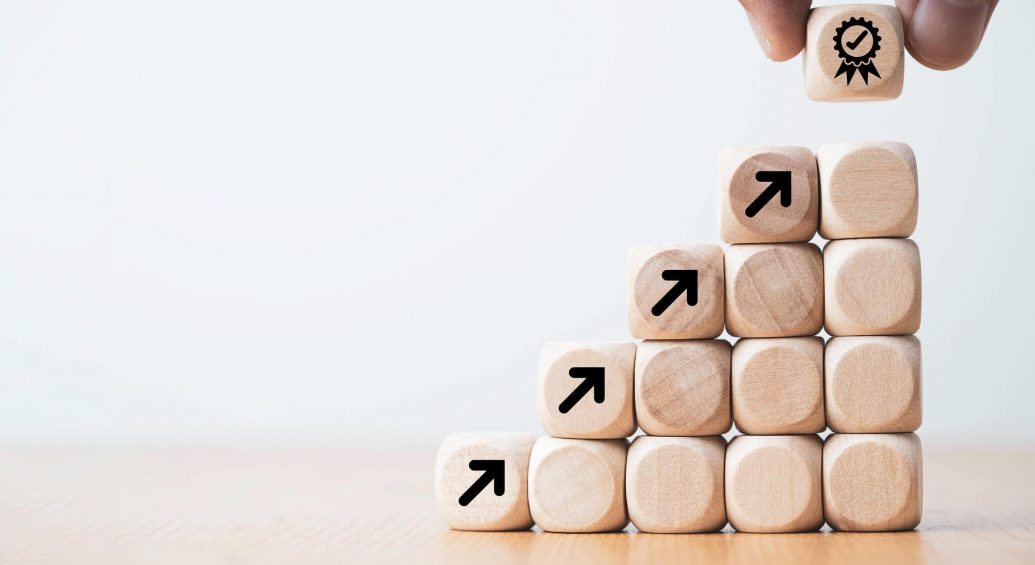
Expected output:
(313, 506)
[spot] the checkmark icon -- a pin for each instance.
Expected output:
(858, 40)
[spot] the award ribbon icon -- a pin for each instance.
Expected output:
(858, 49)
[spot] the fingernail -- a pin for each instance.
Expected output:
(760, 35)
(946, 33)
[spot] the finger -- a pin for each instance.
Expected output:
(779, 25)
(944, 34)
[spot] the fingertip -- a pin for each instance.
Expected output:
(786, 53)
(945, 34)
(779, 25)
(938, 65)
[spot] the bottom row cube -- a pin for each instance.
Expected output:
(578, 485)
(481, 481)
(675, 484)
(872, 482)
(856, 482)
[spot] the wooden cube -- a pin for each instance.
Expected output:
(773, 483)
(872, 287)
(872, 482)
(873, 384)
(869, 190)
(586, 390)
(774, 290)
(578, 485)
(682, 388)
(674, 485)
(778, 385)
(854, 52)
(768, 194)
(675, 292)
(481, 481)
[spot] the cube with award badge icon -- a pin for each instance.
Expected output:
(854, 53)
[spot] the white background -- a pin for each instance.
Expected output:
(357, 222)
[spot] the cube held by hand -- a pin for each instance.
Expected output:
(854, 52)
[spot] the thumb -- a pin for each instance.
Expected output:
(944, 34)
(779, 25)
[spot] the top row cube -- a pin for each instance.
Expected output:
(854, 52)
(846, 190)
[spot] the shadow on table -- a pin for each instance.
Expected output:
(726, 547)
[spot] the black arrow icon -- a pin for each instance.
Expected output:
(494, 472)
(593, 379)
(686, 280)
(780, 183)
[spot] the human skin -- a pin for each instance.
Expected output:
(940, 34)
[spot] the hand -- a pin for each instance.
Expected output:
(940, 34)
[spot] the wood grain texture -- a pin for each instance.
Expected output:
(774, 290)
(646, 263)
(587, 419)
(872, 482)
(869, 190)
(453, 476)
(578, 485)
(738, 189)
(682, 388)
(873, 384)
(376, 504)
(675, 484)
(822, 60)
(777, 385)
(774, 483)
(872, 287)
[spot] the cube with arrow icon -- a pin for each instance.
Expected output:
(675, 291)
(586, 390)
(481, 481)
(768, 194)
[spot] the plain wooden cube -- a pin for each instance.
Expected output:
(774, 290)
(872, 287)
(778, 385)
(773, 483)
(587, 418)
(749, 212)
(869, 190)
(682, 388)
(873, 384)
(578, 485)
(854, 52)
(674, 485)
(464, 499)
(873, 482)
(648, 286)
